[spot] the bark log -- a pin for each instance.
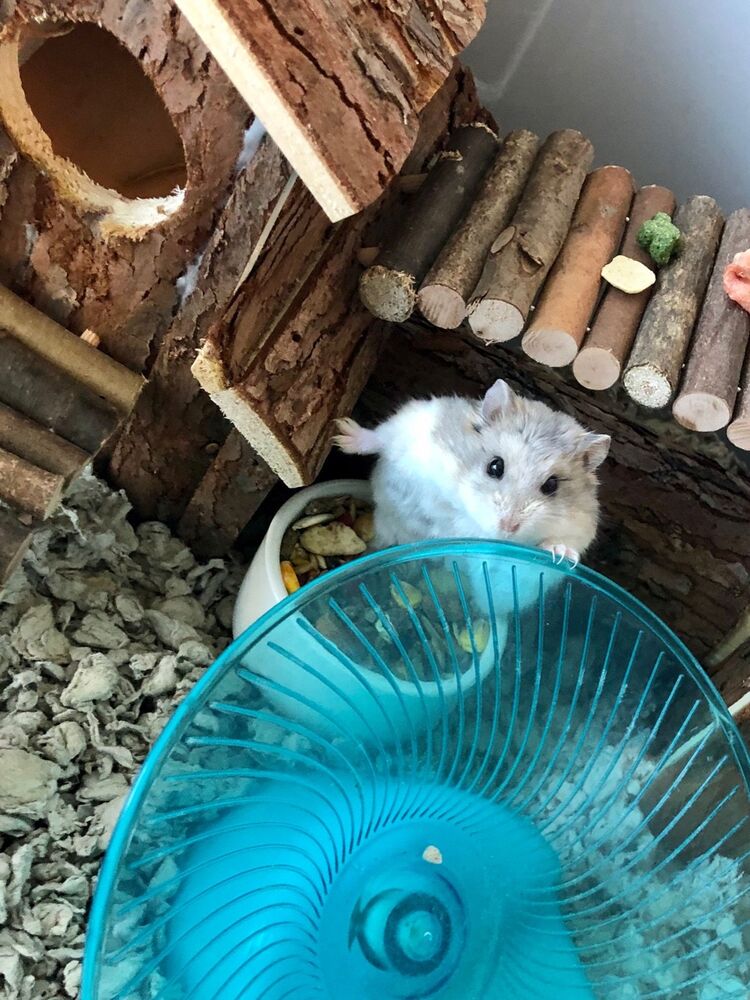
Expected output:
(339, 85)
(661, 344)
(675, 505)
(169, 441)
(111, 381)
(299, 240)
(516, 269)
(27, 488)
(738, 431)
(446, 290)
(598, 364)
(389, 288)
(14, 540)
(561, 317)
(308, 364)
(33, 387)
(309, 370)
(34, 443)
(236, 484)
(709, 386)
(55, 250)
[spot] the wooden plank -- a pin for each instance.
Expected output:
(282, 375)
(338, 85)
(171, 437)
(231, 491)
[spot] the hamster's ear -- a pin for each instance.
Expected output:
(498, 399)
(593, 448)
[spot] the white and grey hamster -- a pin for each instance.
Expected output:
(503, 467)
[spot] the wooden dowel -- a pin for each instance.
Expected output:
(738, 431)
(517, 267)
(32, 442)
(709, 386)
(561, 317)
(389, 288)
(27, 488)
(598, 364)
(661, 343)
(38, 390)
(445, 292)
(100, 373)
(14, 540)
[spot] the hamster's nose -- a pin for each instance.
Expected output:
(509, 524)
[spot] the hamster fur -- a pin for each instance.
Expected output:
(503, 467)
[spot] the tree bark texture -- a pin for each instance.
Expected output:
(660, 347)
(113, 382)
(34, 443)
(296, 371)
(444, 294)
(235, 485)
(170, 440)
(605, 350)
(569, 296)
(339, 85)
(34, 387)
(389, 288)
(27, 488)
(518, 265)
(53, 248)
(675, 505)
(709, 385)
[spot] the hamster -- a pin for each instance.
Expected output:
(504, 467)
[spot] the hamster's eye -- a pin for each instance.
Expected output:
(496, 468)
(549, 486)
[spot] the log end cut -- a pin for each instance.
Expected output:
(442, 306)
(701, 411)
(555, 348)
(495, 321)
(738, 433)
(596, 368)
(388, 294)
(647, 385)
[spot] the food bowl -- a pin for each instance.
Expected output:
(398, 706)
(263, 586)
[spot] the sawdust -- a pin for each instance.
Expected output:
(103, 630)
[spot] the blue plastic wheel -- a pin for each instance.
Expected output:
(448, 770)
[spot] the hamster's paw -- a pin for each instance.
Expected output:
(355, 440)
(562, 553)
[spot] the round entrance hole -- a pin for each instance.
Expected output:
(78, 103)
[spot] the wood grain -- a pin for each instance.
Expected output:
(338, 85)
(661, 345)
(605, 350)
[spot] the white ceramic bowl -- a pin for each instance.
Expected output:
(263, 586)
(384, 712)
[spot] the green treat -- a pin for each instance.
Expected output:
(660, 237)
